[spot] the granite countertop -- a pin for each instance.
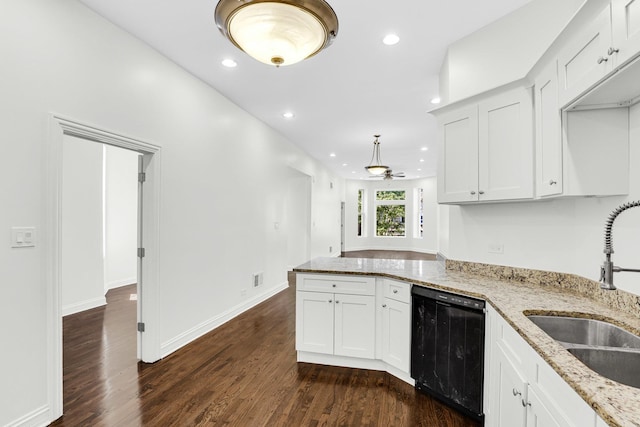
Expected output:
(515, 292)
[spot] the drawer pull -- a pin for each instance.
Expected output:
(334, 285)
(395, 291)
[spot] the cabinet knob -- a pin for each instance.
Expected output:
(395, 291)
(612, 50)
(602, 59)
(334, 285)
(384, 305)
(330, 300)
(552, 182)
(473, 192)
(337, 302)
(480, 192)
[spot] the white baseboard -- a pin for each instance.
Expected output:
(354, 362)
(121, 282)
(197, 331)
(83, 305)
(36, 418)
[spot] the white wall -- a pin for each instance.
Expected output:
(428, 243)
(565, 235)
(297, 218)
(505, 50)
(223, 181)
(121, 213)
(82, 281)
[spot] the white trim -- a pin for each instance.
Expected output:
(57, 129)
(387, 248)
(207, 326)
(353, 362)
(36, 418)
(120, 283)
(83, 305)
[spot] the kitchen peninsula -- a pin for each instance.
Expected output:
(542, 364)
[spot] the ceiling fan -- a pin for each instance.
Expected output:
(388, 174)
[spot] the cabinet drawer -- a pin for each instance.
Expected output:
(356, 285)
(399, 291)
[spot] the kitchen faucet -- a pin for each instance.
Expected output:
(607, 269)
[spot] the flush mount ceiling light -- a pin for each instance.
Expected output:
(375, 166)
(277, 32)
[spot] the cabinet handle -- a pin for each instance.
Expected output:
(395, 291)
(602, 59)
(552, 182)
(525, 403)
(516, 392)
(613, 50)
(473, 192)
(480, 192)
(384, 305)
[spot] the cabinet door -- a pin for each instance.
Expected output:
(511, 389)
(355, 321)
(584, 61)
(626, 29)
(505, 146)
(548, 133)
(314, 322)
(458, 156)
(396, 334)
(537, 414)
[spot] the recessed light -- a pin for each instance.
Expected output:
(345, 164)
(353, 171)
(421, 160)
(435, 100)
(288, 115)
(419, 169)
(391, 39)
(332, 154)
(424, 149)
(229, 63)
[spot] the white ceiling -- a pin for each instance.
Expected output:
(344, 95)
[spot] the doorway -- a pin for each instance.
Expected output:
(148, 232)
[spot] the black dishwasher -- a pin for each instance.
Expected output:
(447, 348)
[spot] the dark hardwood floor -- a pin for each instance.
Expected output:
(244, 373)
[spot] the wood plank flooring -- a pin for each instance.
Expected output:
(244, 373)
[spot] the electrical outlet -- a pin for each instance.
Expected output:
(330, 249)
(256, 279)
(495, 248)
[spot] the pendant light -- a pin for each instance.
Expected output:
(375, 166)
(277, 32)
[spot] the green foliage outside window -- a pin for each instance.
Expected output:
(390, 218)
(390, 195)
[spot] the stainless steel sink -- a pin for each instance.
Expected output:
(620, 365)
(574, 330)
(604, 348)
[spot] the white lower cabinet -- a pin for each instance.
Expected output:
(341, 322)
(354, 321)
(523, 390)
(396, 325)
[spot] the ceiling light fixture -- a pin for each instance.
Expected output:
(375, 166)
(391, 39)
(229, 63)
(277, 32)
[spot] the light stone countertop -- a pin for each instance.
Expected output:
(513, 293)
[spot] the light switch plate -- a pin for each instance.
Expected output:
(23, 237)
(495, 248)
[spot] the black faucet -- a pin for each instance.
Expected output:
(607, 269)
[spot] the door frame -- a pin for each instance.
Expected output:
(148, 267)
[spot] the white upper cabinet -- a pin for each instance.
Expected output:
(548, 133)
(458, 155)
(626, 29)
(585, 60)
(486, 149)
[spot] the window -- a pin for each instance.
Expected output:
(390, 213)
(360, 212)
(419, 213)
